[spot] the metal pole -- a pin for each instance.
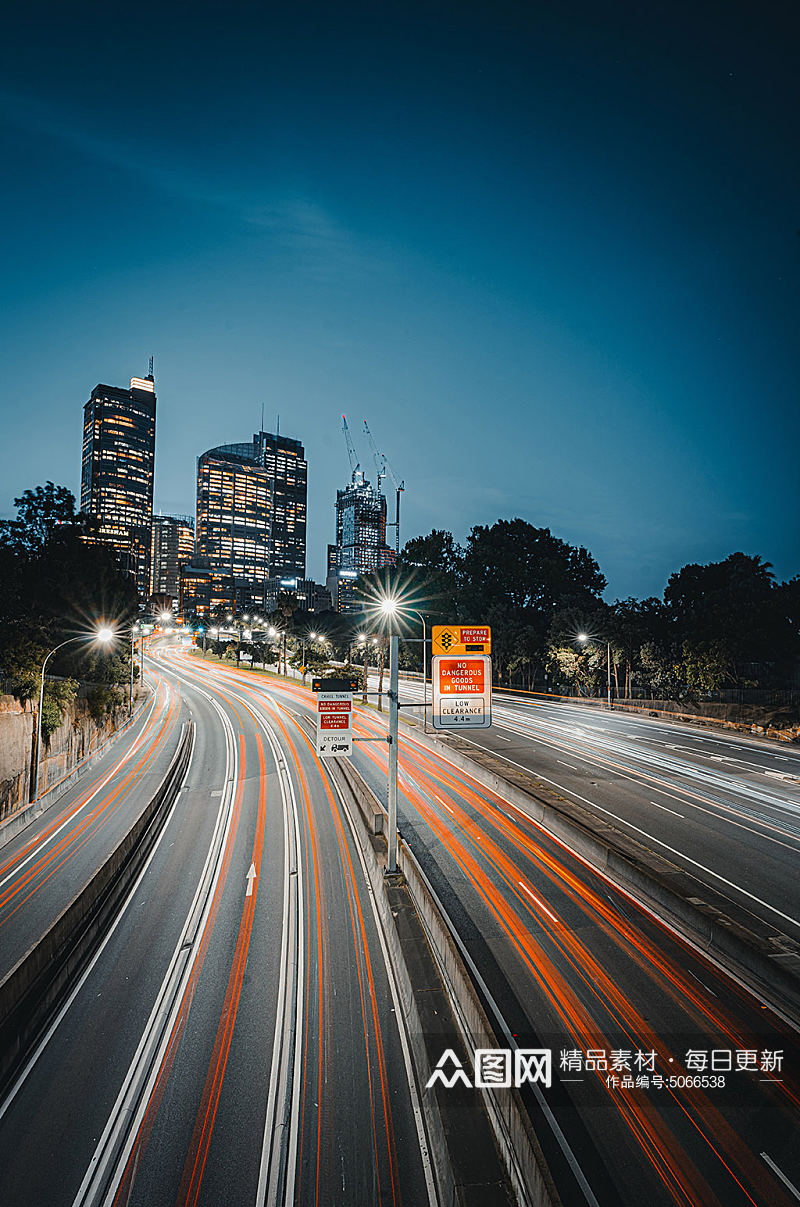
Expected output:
(394, 650)
(130, 690)
(34, 795)
(424, 675)
(608, 673)
(35, 790)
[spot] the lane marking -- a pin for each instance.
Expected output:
(563, 764)
(782, 1176)
(251, 879)
(666, 810)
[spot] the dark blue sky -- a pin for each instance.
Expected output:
(549, 251)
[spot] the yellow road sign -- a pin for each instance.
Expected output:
(461, 639)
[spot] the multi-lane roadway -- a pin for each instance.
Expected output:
(237, 1039)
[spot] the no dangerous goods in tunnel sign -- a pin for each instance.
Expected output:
(462, 692)
(461, 639)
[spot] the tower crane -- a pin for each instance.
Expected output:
(383, 467)
(351, 452)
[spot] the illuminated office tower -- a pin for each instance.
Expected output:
(251, 512)
(119, 440)
(172, 547)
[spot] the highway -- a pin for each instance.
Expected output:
(573, 963)
(725, 808)
(236, 1038)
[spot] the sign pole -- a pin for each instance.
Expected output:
(394, 685)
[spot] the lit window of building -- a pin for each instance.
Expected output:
(119, 438)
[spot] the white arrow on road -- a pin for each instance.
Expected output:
(251, 879)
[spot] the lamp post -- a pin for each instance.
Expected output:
(389, 608)
(103, 636)
(583, 638)
(134, 634)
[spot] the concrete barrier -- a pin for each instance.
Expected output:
(768, 961)
(30, 991)
(433, 1005)
(21, 818)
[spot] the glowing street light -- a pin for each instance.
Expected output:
(583, 638)
(103, 636)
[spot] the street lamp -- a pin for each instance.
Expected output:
(583, 638)
(134, 635)
(103, 636)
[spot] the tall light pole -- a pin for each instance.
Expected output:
(103, 636)
(583, 638)
(389, 608)
(134, 634)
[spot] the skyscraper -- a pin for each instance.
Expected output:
(172, 547)
(119, 440)
(360, 540)
(251, 512)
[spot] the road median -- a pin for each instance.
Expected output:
(483, 1146)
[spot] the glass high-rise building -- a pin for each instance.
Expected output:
(251, 512)
(119, 444)
(360, 540)
(172, 547)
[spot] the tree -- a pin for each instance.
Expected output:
(514, 576)
(54, 585)
(734, 608)
(39, 513)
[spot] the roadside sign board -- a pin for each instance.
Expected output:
(461, 639)
(334, 723)
(462, 691)
(335, 685)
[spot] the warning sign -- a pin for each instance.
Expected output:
(334, 724)
(462, 692)
(461, 639)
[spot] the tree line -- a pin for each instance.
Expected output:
(58, 583)
(721, 625)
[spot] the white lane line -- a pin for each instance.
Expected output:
(666, 810)
(779, 1173)
(705, 986)
(563, 764)
(652, 838)
(399, 1010)
(541, 904)
(502, 739)
(70, 817)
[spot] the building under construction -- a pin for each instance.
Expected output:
(360, 533)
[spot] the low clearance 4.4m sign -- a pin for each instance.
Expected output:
(462, 691)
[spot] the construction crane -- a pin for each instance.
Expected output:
(383, 467)
(380, 461)
(351, 452)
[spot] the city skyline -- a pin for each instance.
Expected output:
(550, 256)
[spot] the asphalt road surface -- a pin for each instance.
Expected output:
(236, 1039)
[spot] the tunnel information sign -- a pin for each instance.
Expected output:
(334, 724)
(462, 692)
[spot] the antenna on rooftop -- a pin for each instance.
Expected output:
(150, 374)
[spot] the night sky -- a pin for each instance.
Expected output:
(549, 251)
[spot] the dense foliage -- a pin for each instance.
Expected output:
(726, 624)
(55, 584)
